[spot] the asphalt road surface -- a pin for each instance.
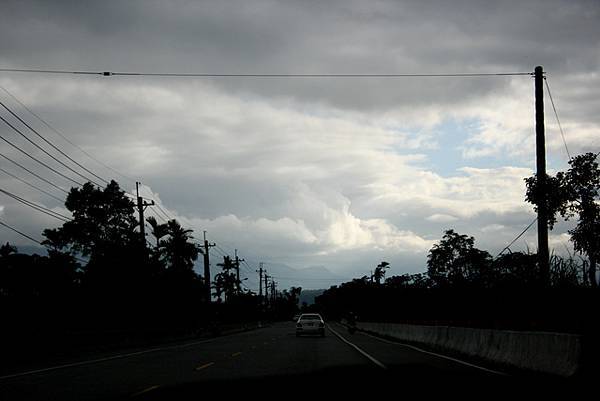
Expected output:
(261, 360)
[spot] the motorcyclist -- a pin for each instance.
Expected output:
(351, 322)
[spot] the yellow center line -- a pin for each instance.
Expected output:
(236, 354)
(206, 365)
(145, 391)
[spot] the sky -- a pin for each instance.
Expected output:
(339, 173)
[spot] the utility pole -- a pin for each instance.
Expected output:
(260, 274)
(141, 205)
(540, 151)
(237, 271)
(207, 246)
(266, 287)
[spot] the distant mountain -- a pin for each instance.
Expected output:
(308, 296)
(310, 278)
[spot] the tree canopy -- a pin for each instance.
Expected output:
(574, 193)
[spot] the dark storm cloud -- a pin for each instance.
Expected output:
(311, 37)
(315, 171)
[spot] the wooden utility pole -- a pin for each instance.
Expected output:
(266, 287)
(260, 278)
(207, 246)
(141, 205)
(540, 147)
(237, 272)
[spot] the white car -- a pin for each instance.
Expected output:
(310, 323)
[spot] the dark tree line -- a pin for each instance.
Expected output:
(574, 194)
(99, 275)
(464, 285)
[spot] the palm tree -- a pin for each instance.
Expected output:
(158, 230)
(179, 253)
(227, 280)
(224, 284)
(7, 249)
(380, 271)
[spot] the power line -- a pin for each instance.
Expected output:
(37, 207)
(53, 146)
(56, 131)
(160, 217)
(35, 240)
(30, 185)
(20, 233)
(165, 214)
(226, 244)
(247, 268)
(225, 253)
(217, 75)
(517, 237)
(217, 248)
(562, 134)
(34, 174)
(45, 151)
(162, 211)
(132, 196)
(37, 160)
(250, 269)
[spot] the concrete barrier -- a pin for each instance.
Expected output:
(541, 352)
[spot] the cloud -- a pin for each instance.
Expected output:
(341, 172)
(493, 228)
(441, 218)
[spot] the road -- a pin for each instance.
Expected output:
(260, 359)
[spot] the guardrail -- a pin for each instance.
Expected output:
(542, 352)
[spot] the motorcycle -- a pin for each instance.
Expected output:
(352, 324)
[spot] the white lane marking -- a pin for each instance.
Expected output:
(144, 391)
(108, 358)
(119, 356)
(369, 357)
(435, 354)
(206, 365)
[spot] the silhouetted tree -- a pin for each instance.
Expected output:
(556, 200)
(102, 219)
(379, 273)
(575, 192)
(225, 283)
(455, 261)
(158, 230)
(7, 249)
(418, 280)
(37, 278)
(286, 304)
(103, 228)
(179, 253)
(516, 270)
(583, 183)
